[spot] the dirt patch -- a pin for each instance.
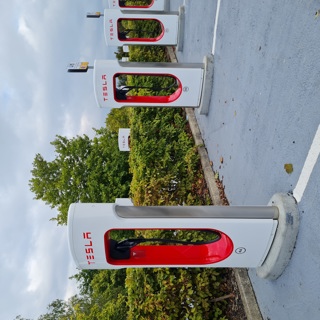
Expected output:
(235, 309)
(222, 194)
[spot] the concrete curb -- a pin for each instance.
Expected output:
(243, 281)
(205, 162)
(181, 28)
(248, 297)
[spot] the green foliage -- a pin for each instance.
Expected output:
(84, 279)
(120, 53)
(119, 235)
(110, 295)
(151, 85)
(58, 309)
(140, 28)
(147, 54)
(118, 118)
(83, 170)
(137, 2)
(107, 299)
(176, 293)
(180, 235)
(163, 160)
(143, 53)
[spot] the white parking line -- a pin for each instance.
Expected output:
(308, 166)
(215, 27)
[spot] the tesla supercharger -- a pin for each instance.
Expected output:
(240, 236)
(142, 28)
(152, 84)
(151, 5)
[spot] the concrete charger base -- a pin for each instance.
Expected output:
(208, 62)
(285, 238)
(181, 28)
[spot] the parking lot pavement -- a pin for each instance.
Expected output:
(261, 131)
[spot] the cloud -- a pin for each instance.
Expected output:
(85, 124)
(71, 285)
(47, 242)
(38, 262)
(82, 125)
(27, 34)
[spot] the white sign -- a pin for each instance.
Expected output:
(78, 66)
(124, 139)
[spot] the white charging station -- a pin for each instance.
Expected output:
(245, 235)
(142, 28)
(190, 84)
(152, 5)
(261, 237)
(150, 84)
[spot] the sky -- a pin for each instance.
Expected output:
(39, 99)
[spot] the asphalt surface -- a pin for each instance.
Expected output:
(261, 129)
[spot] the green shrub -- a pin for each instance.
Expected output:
(163, 160)
(175, 293)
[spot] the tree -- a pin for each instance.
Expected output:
(83, 170)
(106, 299)
(118, 118)
(58, 310)
(120, 53)
(109, 294)
(84, 278)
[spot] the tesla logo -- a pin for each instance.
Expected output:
(88, 248)
(104, 87)
(240, 250)
(111, 29)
